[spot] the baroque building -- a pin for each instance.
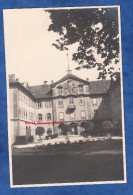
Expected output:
(70, 100)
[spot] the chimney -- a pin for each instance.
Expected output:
(13, 76)
(87, 79)
(17, 80)
(52, 81)
(45, 82)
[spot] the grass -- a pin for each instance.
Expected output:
(83, 162)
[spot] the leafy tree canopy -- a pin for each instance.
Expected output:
(93, 31)
(40, 131)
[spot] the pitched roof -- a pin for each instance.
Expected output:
(45, 91)
(99, 87)
(69, 76)
(41, 91)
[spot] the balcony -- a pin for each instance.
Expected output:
(70, 109)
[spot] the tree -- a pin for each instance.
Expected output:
(49, 131)
(40, 131)
(88, 126)
(95, 32)
(107, 127)
(65, 129)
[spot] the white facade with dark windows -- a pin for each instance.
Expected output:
(71, 100)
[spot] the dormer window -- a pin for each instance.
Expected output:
(80, 88)
(59, 90)
(39, 104)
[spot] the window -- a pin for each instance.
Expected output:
(48, 104)
(83, 114)
(61, 116)
(40, 117)
(29, 101)
(60, 103)
(20, 112)
(26, 114)
(71, 101)
(19, 94)
(48, 116)
(31, 116)
(81, 100)
(94, 101)
(72, 115)
(95, 112)
(80, 88)
(39, 104)
(59, 90)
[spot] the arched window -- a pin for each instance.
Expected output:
(40, 117)
(48, 116)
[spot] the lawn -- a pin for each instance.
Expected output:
(82, 162)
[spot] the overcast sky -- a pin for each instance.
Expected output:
(29, 51)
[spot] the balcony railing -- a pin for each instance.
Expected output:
(70, 108)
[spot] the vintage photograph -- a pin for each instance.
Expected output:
(64, 96)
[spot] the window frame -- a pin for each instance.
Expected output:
(94, 102)
(71, 101)
(49, 118)
(83, 111)
(80, 87)
(60, 105)
(39, 115)
(73, 115)
(61, 119)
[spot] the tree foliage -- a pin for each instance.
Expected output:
(49, 131)
(88, 126)
(107, 127)
(40, 131)
(65, 129)
(94, 31)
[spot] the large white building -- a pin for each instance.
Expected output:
(69, 100)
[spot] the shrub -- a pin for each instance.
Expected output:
(40, 131)
(107, 127)
(30, 139)
(20, 140)
(48, 137)
(54, 136)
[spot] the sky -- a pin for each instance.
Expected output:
(29, 51)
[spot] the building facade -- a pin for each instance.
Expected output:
(70, 100)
